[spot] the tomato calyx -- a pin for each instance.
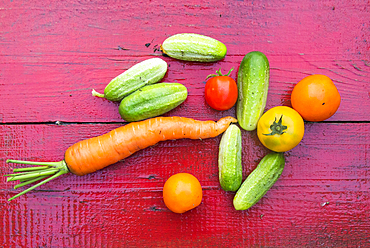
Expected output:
(219, 73)
(277, 127)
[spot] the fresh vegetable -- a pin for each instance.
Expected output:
(230, 159)
(152, 100)
(193, 47)
(259, 181)
(221, 91)
(90, 155)
(146, 72)
(316, 98)
(253, 83)
(280, 129)
(182, 192)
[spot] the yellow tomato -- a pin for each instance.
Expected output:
(280, 129)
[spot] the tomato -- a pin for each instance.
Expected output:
(221, 91)
(280, 129)
(182, 192)
(315, 97)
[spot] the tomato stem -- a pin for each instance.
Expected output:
(277, 127)
(219, 73)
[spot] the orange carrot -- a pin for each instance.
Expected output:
(90, 155)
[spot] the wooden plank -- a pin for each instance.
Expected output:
(321, 198)
(53, 55)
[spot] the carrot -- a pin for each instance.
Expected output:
(90, 155)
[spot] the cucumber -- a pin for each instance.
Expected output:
(152, 100)
(253, 83)
(259, 181)
(149, 71)
(229, 159)
(194, 47)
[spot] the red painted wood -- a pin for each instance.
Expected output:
(53, 53)
(320, 200)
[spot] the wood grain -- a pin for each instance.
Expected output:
(53, 53)
(320, 200)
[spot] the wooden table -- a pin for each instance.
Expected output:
(53, 53)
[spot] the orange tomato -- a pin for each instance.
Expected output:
(315, 98)
(182, 192)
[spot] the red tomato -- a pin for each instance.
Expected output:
(221, 91)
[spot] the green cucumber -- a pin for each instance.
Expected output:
(152, 100)
(229, 159)
(253, 83)
(259, 181)
(194, 47)
(146, 72)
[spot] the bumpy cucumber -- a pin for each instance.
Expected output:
(229, 159)
(253, 83)
(194, 47)
(259, 181)
(149, 71)
(152, 100)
